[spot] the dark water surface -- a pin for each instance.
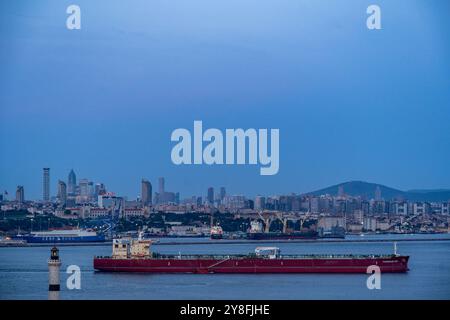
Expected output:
(23, 274)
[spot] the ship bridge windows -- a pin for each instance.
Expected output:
(268, 252)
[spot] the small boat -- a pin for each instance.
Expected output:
(216, 232)
(8, 242)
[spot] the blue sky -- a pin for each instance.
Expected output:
(350, 103)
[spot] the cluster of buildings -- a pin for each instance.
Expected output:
(84, 198)
(88, 200)
(341, 205)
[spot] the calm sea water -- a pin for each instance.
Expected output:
(23, 274)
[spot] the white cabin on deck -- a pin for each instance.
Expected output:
(121, 248)
(140, 248)
(270, 252)
(131, 248)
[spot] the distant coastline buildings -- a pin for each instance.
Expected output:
(332, 207)
(163, 196)
(87, 199)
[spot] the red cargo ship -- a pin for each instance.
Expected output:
(135, 256)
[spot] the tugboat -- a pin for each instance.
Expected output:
(8, 242)
(216, 232)
(135, 256)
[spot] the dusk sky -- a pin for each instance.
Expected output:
(350, 103)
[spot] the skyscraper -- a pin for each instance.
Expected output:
(84, 188)
(210, 195)
(46, 184)
(161, 186)
(62, 192)
(222, 193)
(260, 203)
(91, 190)
(20, 194)
(146, 192)
(71, 183)
(99, 190)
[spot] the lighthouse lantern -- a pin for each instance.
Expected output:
(54, 255)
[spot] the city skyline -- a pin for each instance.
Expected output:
(148, 196)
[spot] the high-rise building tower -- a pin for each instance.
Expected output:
(62, 192)
(99, 190)
(260, 203)
(210, 195)
(146, 192)
(161, 185)
(46, 184)
(71, 183)
(84, 188)
(20, 194)
(378, 193)
(91, 190)
(222, 193)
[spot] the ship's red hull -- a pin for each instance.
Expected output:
(253, 265)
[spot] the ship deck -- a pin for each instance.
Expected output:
(254, 256)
